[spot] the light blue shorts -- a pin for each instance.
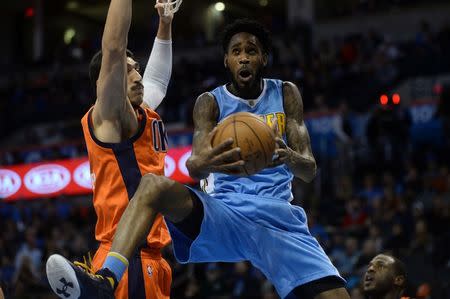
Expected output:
(270, 233)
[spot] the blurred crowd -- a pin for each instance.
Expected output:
(379, 188)
(407, 216)
(353, 69)
(31, 231)
(346, 8)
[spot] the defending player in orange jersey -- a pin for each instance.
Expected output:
(125, 139)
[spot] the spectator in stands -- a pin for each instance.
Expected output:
(376, 237)
(27, 283)
(370, 191)
(243, 283)
(355, 216)
(192, 290)
(29, 254)
(397, 240)
(214, 286)
(346, 258)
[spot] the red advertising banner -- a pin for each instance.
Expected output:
(71, 176)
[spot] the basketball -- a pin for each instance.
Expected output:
(252, 135)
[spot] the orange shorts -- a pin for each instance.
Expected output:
(148, 275)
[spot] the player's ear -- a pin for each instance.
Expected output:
(265, 59)
(225, 61)
(399, 281)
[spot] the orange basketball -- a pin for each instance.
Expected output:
(253, 136)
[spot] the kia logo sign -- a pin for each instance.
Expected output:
(48, 178)
(169, 166)
(82, 175)
(10, 183)
(182, 163)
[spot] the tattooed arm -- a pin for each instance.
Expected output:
(206, 159)
(297, 153)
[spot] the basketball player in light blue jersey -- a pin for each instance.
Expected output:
(238, 217)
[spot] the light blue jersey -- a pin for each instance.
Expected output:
(251, 218)
(270, 182)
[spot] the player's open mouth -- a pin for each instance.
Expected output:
(245, 75)
(368, 280)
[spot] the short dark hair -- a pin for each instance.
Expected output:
(96, 63)
(249, 26)
(399, 269)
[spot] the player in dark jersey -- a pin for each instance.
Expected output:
(385, 278)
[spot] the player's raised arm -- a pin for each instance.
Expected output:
(297, 154)
(111, 84)
(159, 66)
(204, 158)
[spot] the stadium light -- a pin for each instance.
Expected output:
(384, 99)
(396, 98)
(68, 35)
(72, 5)
(29, 12)
(219, 6)
(263, 2)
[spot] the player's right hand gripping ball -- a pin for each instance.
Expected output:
(252, 135)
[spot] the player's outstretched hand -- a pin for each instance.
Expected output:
(160, 7)
(221, 158)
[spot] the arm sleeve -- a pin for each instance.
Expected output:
(157, 73)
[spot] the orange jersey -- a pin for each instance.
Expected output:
(116, 170)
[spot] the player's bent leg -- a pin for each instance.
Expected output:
(155, 194)
(190, 225)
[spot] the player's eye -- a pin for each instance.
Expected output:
(235, 51)
(252, 51)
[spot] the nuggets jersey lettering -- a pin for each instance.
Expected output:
(270, 182)
(118, 168)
